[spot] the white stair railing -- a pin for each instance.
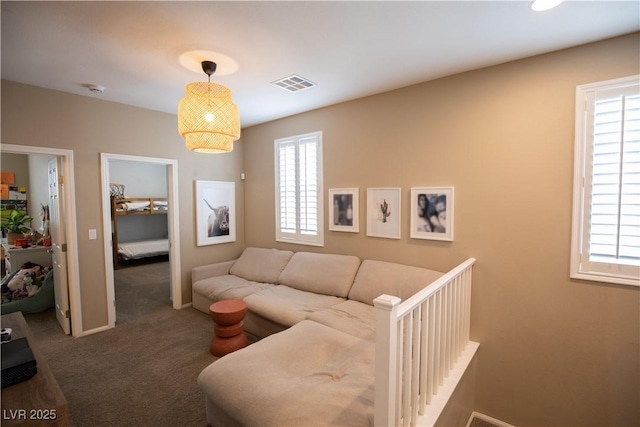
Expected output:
(422, 349)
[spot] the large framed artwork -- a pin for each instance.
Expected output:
(432, 213)
(384, 212)
(215, 212)
(344, 209)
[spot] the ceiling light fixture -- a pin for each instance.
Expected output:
(542, 5)
(207, 117)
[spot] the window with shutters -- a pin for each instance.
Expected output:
(606, 205)
(299, 201)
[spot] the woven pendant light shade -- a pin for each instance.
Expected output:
(208, 119)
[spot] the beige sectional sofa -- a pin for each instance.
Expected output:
(315, 319)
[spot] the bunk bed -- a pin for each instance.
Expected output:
(143, 208)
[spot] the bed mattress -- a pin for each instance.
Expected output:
(144, 248)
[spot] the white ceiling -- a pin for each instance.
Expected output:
(349, 49)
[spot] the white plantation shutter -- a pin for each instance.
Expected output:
(299, 189)
(615, 206)
(308, 149)
(606, 232)
(287, 188)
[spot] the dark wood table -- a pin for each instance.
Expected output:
(37, 401)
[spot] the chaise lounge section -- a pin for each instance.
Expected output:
(308, 375)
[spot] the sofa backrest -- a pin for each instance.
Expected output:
(327, 274)
(261, 264)
(375, 278)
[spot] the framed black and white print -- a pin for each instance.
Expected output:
(384, 212)
(344, 212)
(215, 212)
(432, 213)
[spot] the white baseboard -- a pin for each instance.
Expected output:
(488, 419)
(187, 305)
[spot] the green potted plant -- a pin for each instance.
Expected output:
(16, 223)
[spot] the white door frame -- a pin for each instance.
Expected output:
(173, 222)
(73, 270)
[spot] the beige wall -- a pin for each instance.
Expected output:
(553, 351)
(38, 117)
(19, 165)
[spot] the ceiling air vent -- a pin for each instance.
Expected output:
(294, 83)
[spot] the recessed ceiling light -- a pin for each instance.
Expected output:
(294, 83)
(541, 5)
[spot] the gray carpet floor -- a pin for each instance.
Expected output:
(141, 373)
(141, 289)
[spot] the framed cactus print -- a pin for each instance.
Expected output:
(384, 211)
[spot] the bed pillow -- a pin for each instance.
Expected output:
(261, 265)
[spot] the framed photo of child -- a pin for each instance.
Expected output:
(432, 213)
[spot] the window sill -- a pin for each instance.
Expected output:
(618, 280)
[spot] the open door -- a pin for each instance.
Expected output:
(58, 244)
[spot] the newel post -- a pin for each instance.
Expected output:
(386, 375)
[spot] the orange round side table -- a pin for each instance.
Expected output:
(229, 335)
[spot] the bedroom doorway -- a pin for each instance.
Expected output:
(167, 215)
(70, 315)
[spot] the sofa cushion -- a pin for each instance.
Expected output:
(219, 288)
(308, 375)
(288, 306)
(261, 265)
(326, 274)
(375, 278)
(352, 317)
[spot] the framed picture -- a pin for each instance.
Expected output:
(343, 209)
(215, 212)
(432, 213)
(384, 212)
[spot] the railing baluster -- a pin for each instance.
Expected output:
(467, 304)
(439, 327)
(450, 355)
(406, 368)
(431, 372)
(457, 342)
(399, 362)
(446, 332)
(415, 363)
(424, 353)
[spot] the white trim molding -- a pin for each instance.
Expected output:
(73, 269)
